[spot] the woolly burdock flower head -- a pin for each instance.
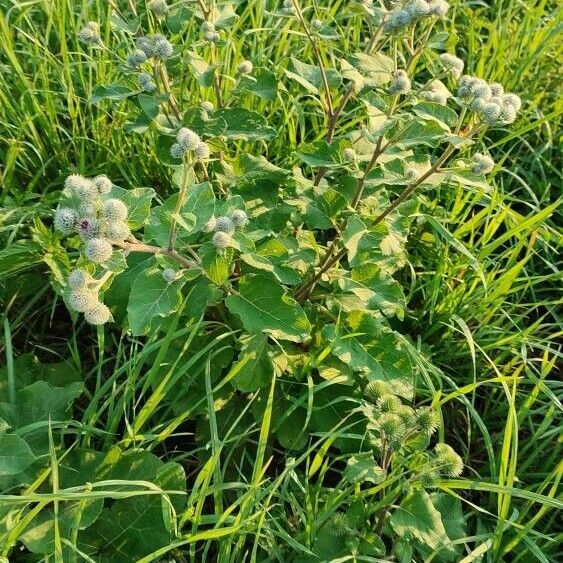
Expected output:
(114, 210)
(206, 106)
(288, 8)
(211, 35)
(448, 462)
(338, 525)
(496, 89)
(418, 9)
(78, 279)
(210, 225)
(90, 34)
(374, 390)
(401, 83)
(81, 187)
(187, 139)
(239, 218)
(316, 24)
(224, 224)
(397, 20)
(82, 299)
(65, 220)
(452, 64)
(102, 183)
(390, 424)
(145, 44)
(349, 155)
(161, 47)
(490, 113)
(136, 58)
(158, 7)
(245, 67)
(202, 151)
(146, 82)
(427, 420)
(439, 8)
(482, 164)
(117, 231)
(169, 275)
(98, 315)
(388, 403)
(177, 150)
(98, 250)
(512, 100)
(88, 209)
(88, 227)
(221, 240)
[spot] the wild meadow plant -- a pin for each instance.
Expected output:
(295, 265)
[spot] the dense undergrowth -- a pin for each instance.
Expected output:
(164, 446)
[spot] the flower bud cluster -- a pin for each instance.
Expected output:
(90, 34)
(452, 64)
(189, 141)
(482, 164)
(225, 226)
(158, 7)
(98, 219)
(401, 83)
(489, 101)
(245, 67)
(209, 32)
(83, 297)
(413, 11)
(156, 46)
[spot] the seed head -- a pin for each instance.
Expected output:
(82, 299)
(224, 224)
(375, 390)
(65, 220)
(507, 114)
(239, 218)
(490, 112)
(388, 403)
(145, 44)
(221, 240)
(427, 419)
(210, 225)
(482, 164)
(418, 9)
(117, 231)
(452, 64)
(102, 183)
(158, 7)
(448, 462)
(245, 67)
(98, 250)
(177, 151)
(114, 210)
(136, 58)
(439, 8)
(98, 315)
(162, 48)
(202, 151)
(512, 100)
(90, 34)
(169, 275)
(401, 83)
(88, 227)
(206, 106)
(81, 187)
(497, 89)
(397, 20)
(187, 139)
(78, 279)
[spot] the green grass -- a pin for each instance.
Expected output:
(483, 285)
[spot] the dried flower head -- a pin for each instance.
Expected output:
(482, 164)
(452, 64)
(224, 224)
(98, 250)
(82, 299)
(202, 151)
(221, 239)
(187, 139)
(245, 67)
(99, 314)
(239, 218)
(78, 279)
(401, 83)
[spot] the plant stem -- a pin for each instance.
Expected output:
(179, 205)
(161, 250)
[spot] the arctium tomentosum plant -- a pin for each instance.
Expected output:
(296, 258)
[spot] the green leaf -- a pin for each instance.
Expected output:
(443, 115)
(419, 132)
(263, 306)
(310, 76)
(244, 124)
(257, 367)
(216, 263)
(119, 24)
(322, 212)
(15, 455)
(223, 15)
(376, 69)
(112, 92)
(151, 296)
(263, 84)
(417, 519)
(321, 153)
(203, 71)
(362, 468)
(138, 202)
(149, 105)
